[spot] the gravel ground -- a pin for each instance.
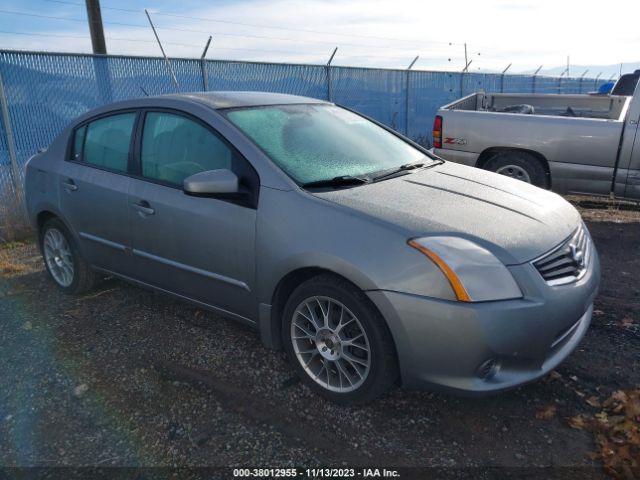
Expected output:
(127, 377)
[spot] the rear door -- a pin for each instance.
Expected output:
(94, 187)
(200, 248)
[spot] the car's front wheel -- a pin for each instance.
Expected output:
(63, 260)
(338, 342)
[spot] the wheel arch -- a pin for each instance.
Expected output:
(46, 214)
(271, 332)
(488, 153)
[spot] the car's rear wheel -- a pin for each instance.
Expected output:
(63, 260)
(519, 165)
(338, 342)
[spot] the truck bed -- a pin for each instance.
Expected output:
(606, 107)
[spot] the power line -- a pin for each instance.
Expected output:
(123, 39)
(237, 35)
(253, 25)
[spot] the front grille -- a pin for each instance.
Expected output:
(567, 262)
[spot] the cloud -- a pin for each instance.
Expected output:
(369, 32)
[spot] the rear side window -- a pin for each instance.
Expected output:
(106, 141)
(175, 147)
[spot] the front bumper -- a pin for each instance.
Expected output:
(442, 345)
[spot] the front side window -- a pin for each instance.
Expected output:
(175, 147)
(319, 142)
(107, 140)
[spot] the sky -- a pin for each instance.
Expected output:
(373, 33)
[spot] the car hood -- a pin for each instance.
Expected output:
(514, 220)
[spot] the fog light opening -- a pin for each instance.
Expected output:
(488, 369)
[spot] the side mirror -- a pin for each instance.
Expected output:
(212, 183)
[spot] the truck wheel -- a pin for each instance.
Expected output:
(338, 342)
(63, 260)
(519, 165)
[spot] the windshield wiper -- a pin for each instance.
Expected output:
(406, 167)
(401, 168)
(340, 181)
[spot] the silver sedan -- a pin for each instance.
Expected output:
(370, 261)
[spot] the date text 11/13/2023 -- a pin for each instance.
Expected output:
(315, 473)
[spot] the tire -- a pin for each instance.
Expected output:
(520, 165)
(63, 260)
(340, 368)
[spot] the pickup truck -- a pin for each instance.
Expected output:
(568, 143)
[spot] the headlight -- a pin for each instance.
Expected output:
(474, 273)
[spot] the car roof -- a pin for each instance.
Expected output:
(234, 99)
(213, 100)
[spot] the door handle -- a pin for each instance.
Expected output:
(143, 207)
(69, 185)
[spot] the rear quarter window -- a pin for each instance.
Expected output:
(78, 143)
(106, 141)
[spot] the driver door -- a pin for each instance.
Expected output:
(199, 248)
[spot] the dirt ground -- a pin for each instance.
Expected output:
(127, 377)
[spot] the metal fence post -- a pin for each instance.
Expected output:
(535, 75)
(11, 145)
(406, 97)
(203, 66)
(328, 69)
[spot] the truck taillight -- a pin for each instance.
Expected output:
(437, 132)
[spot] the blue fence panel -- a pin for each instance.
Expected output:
(44, 92)
(130, 77)
(547, 85)
(306, 80)
(379, 94)
(517, 84)
(6, 175)
(428, 91)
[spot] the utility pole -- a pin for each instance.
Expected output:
(95, 27)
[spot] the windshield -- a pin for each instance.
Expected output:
(312, 143)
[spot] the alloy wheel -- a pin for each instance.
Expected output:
(57, 254)
(331, 344)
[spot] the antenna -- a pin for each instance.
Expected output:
(169, 66)
(414, 62)
(536, 72)
(505, 70)
(467, 66)
(143, 91)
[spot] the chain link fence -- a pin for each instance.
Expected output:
(43, 92)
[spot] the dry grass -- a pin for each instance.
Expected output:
(604, 209)
(9, 264)
(13, 218)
